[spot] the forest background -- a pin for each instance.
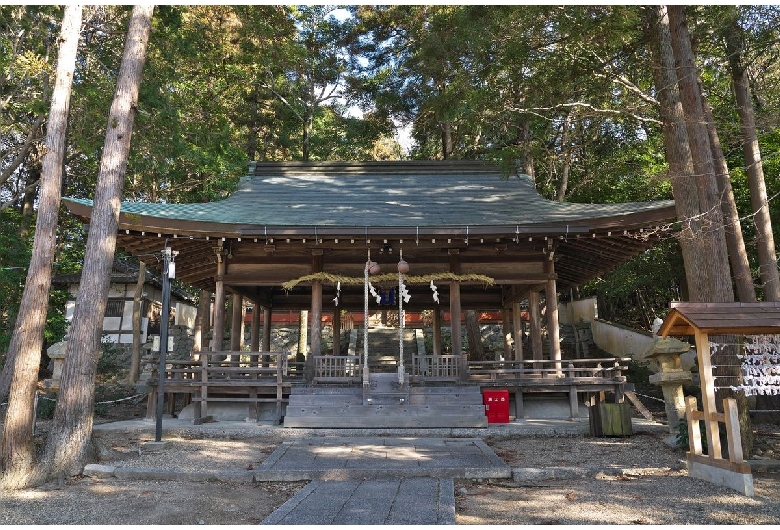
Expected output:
(563, 93)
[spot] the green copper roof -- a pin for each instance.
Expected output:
(390, 194)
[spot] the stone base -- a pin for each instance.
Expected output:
(221, 411)
(154, 446)
(722, 472)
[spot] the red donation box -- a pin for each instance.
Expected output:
(496, 405)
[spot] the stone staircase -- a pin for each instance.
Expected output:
(385, 403)
(383, 348)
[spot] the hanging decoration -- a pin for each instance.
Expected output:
(338, 294)
(366, 283)
(333, 279)
(374, 293)
(760, 366)
(403, 297)
(435, 292)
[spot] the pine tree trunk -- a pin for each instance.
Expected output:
(20, 373)
(68, 443)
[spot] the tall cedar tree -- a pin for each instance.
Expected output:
(68, 443)
(20, 372)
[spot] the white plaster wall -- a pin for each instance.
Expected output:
(185, 315)
(127, 316)
(571, 312)
(618, 340)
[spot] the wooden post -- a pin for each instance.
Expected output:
(708, 394)
(436, 330)
(254, 333)
(553, 330)
(694, 434)
(315, 335)
(506, 329)
(236, 339)
(336, 331)
(518, 325)
(202, 321)
(267, 313)
(536, 325)
(732, 430)
(455, 313)
(219, 302)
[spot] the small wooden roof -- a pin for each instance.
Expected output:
(685, 318)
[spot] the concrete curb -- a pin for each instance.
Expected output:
(536, 474)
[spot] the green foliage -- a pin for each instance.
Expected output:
(112, 359)
(637, 293)
(682, 439)
(14, 258)
(638, 372)
(45, 408)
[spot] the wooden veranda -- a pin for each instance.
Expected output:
(301, 236)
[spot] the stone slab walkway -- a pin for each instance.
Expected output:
(407, 501)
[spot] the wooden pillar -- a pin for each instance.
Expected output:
(707, 383)
(202, 321)
(455, 314)
(436, 330)
(254, 332)
(553, 329)
(236, 338)
(518, 325)
(219, 302)
(336, 331)
(267, 313)
(536, 325)
(315, 332)
(506, 329)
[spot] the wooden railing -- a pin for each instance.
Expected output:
(438, 367)
(337, 368)
(235, 377)
(610, 369)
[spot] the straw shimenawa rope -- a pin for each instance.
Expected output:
(389, 277)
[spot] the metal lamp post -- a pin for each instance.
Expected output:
(169, 271)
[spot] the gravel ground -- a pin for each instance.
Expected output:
(633, 480)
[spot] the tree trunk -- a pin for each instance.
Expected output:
(719, 287)
(446, 140)
(563, 186)
(678, 154)
(767, 257)
(476, 349)
(719, 283)
(20, 373)
(68, 444)
(740, 266)
(135, 356)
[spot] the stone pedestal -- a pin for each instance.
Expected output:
(56, 353)
(664, 356)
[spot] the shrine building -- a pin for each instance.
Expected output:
(335, 238)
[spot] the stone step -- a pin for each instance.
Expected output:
(386, 416)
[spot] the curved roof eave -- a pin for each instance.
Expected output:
(428, 199)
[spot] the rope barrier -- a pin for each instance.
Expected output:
(97, 403)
